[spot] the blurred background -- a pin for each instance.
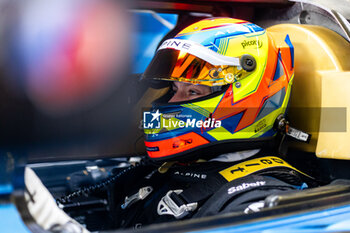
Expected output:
(69, 75)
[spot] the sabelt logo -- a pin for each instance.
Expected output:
(248, 43)
(245, 186)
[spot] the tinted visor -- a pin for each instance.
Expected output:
(177, 65)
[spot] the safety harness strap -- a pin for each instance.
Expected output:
(238, 194)
(202, 190)
(255, 166)
(180, 203)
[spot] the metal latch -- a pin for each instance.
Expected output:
(168, 206)
(140, 195)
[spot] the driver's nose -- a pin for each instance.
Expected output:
(179, 95)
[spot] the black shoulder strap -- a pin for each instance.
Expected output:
(238, 194)
(202, 190)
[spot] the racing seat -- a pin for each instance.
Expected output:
(320, 98)
(319, 105)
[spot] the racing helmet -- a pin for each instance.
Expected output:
(250, 74)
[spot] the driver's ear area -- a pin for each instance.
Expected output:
(320, 94)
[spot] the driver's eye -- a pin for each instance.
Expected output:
(173, 90)
(193, 92)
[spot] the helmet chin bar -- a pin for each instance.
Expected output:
(212, 150)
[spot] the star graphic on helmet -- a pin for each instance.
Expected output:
(155, 115)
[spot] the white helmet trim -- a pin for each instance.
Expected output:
(200, 51)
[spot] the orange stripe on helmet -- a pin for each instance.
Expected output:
(174, 145)
(252, 104)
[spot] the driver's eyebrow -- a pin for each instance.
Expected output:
(175, 84)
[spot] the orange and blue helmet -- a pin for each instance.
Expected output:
(250, 72)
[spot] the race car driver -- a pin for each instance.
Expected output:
(229, 83)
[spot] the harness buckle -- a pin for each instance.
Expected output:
(140, 195)
(168, 206)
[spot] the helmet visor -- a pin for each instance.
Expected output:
(196, 66)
